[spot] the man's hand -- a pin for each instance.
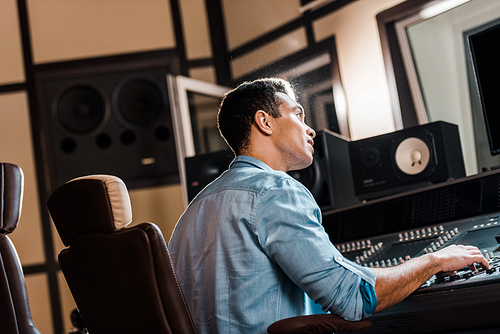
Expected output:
(396, 283)
(456, 257)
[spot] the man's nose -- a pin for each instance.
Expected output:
(311, 132)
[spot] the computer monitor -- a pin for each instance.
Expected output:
(483, 52)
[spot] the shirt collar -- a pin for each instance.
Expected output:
(246, 161)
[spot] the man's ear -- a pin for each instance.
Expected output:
(261, 119)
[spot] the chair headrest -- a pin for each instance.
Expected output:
(11, 196)
(94, 203)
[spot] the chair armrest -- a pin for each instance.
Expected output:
(317, 324)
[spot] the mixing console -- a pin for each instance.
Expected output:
(393, 249)
(388, 231)
(444, 302)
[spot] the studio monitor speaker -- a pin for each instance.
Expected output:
(204, 168)
(328, 178)
(406, 159)
(107, 116)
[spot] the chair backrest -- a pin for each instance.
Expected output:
(15, 314)
(121, 277)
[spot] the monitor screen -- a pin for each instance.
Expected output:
(484, 52)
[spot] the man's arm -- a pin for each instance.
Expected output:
(396, 283)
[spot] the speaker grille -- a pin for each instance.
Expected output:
(431, 207)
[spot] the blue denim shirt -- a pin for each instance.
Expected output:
(250, 250)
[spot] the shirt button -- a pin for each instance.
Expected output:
(339, 259)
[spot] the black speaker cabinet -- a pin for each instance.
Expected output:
(109, 115)
(329, 178)
(204, 168)
(406, 159)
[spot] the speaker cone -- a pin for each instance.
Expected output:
(140, 101)
(369, 157)
(80, 110)
(412, 156)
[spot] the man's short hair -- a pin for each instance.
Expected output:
(238, 108)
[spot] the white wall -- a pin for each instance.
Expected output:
(361, 65)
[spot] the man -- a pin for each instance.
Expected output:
(250, 248)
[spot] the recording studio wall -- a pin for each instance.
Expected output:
(108, 116)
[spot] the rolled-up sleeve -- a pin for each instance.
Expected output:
(288, 225)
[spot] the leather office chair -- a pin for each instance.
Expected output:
(121, 277)
(15, 314)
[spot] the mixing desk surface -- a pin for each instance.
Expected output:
(389, 231)
(465, 301)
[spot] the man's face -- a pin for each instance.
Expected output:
(293, 137)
